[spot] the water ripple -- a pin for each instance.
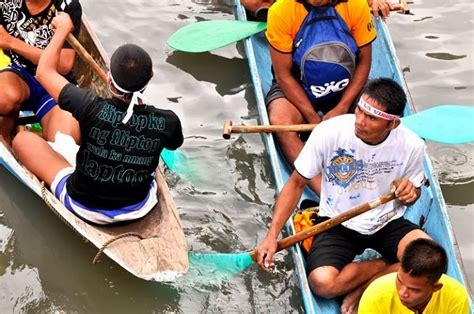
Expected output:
(453, 164)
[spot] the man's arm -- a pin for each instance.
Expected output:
(356, 84)
(406, 192)
(285, 204)
(282, 64)
(33, 54)
(382, 7)
(47, 73)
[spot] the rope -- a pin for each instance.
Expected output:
(120, 236)
(104, 246)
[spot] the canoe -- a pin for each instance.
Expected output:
(429, 212)
(153, 247)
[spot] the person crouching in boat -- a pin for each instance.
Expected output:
(419, 286)
(122, 138)
(358, 156)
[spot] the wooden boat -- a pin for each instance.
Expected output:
(151, 248)
(429, 212)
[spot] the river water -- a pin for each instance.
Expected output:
(225, 198)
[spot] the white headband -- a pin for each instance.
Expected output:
(375, 112)
(134, 101)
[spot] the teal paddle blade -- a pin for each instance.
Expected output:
(179, 164)
(218, 265)
(174, 160)
(450, 124)
(208, 35)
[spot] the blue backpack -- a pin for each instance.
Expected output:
(324, 55)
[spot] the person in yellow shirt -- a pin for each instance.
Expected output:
(419, 286)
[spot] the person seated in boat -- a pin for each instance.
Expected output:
(319, 68)
(25, 31)
(358, 155)
(122, 137)
(419, 286)
(259, 8)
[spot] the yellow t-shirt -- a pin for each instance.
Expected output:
(286, 16)
(382, 297)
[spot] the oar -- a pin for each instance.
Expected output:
(176, 161)
(209, 35)
(449, 124)
(231, 264)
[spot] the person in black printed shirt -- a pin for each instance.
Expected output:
(25, 30)
(122, 138)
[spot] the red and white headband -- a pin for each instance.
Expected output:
(375, 112)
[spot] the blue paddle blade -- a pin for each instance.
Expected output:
(218, 265)
(450, 124)
(208, 35)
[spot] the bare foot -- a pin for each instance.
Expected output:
(350, 304)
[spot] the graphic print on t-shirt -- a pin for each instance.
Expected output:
(33, 30)
(343, 168)
(346, 171)
(121, 147)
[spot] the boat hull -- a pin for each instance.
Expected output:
(153, 247)
(430, 210)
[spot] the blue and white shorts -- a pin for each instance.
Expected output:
(97, 215)
(39, 101)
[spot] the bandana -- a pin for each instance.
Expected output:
(134, 101)
(375, 112)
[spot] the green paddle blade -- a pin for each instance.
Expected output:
(450, 124)
(208, 35)
(218, 265)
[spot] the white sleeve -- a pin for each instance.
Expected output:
(310, 161)
(414, 170)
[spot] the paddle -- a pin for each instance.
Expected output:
(231, 264)
(449, 124)
(176, 161)
(209, 35)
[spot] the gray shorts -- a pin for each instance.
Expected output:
(276, 92)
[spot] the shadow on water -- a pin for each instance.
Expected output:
(202, 67)
(444, 56)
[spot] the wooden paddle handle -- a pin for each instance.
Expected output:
(334, 221)
(229, 128)
(82, 52)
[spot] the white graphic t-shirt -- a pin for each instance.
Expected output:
(354, 172)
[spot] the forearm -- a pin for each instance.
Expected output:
(285, 204)
(297, 96)
(33, 54)
(359, 78)
(47, 71)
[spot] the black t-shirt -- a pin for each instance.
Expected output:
(35, 30)
(116, 162)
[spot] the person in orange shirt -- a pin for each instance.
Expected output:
(289, 101)
(259, 8)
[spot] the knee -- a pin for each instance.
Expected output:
(322, 284)
(10, 100)
(410, 236)
(21, 143)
